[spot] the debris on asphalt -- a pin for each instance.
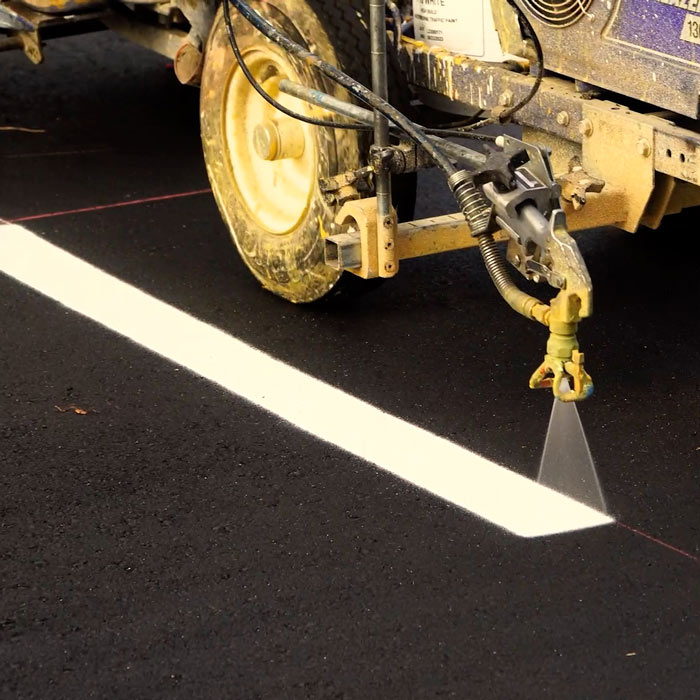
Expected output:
(71, 407)
(25, 129)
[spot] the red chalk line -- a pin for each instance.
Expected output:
(98, 207)
(177, 195)
(649, 537)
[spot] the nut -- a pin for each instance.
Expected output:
(563, 119)
(505, 99)
(644, 148)
(585, 127)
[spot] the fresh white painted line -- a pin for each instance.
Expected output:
(486, 489)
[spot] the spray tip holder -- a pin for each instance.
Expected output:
(553, 370)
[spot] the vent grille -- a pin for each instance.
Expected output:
(558, 13)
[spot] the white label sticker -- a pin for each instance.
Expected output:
(691, 29)
(461, 26)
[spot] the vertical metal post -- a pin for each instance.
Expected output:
(386, 224)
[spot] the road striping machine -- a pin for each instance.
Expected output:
(317, 114)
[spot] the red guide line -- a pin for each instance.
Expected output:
(661, 542)
(98, 207)
(196, 192)
(46, 154)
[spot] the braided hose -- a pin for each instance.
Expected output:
(523, 303)
(477, 212)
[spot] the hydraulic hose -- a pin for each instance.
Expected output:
(508, 114)
(350, 84)
(523, 303)
(396, 18)
(478, 212)
(268, 98)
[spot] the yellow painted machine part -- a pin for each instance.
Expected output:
(275, 191)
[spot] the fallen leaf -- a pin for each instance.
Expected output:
(75, 409)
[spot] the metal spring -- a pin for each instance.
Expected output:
(474, 206)
(495, 264)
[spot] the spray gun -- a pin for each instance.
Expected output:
(515, 191)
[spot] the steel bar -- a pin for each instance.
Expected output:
(467, 157)
(326, 101)
(353, 86)
(382, 180)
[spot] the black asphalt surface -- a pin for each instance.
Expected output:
(176, 542)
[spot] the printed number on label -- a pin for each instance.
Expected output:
(691, 29)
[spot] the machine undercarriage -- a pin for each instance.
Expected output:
(609, 126)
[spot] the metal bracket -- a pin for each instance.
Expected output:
(347, 186)
(31, 45)
(360, 216)
(346, 246)
(576, 184)
(618, 148)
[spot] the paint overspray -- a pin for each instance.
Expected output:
(567, 465)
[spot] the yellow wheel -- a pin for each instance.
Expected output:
(265, 167)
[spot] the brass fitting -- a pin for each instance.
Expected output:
(563, 361)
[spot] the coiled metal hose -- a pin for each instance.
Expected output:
(523, 303)
(477, 212)
(474, 206)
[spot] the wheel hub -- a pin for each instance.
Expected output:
(276, 139)
(273, 157)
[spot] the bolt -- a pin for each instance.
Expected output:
(516, 260)
(387, 223)
(536, 278)
(643, 148)
(585, 127)
(563, 119)
(500, 141)
(505, 99)
(188, 63)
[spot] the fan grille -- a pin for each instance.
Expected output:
(558, 13)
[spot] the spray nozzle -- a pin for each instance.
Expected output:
(563, 361)
(552, 371)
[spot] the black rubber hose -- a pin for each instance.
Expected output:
(267, 97)
(540, 67)
(350, 84)
(396, 17)
(508, 114)
(459, 134)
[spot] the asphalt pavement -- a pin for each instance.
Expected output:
(174, 541)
